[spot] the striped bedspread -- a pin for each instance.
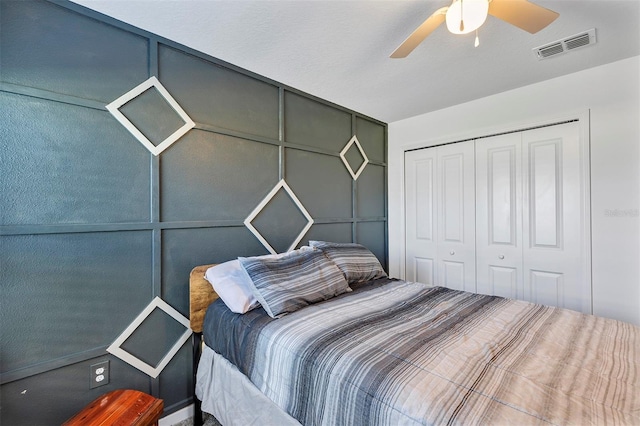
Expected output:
(398, 353)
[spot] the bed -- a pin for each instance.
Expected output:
(391, 352)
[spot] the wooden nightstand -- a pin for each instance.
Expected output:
(120, 407)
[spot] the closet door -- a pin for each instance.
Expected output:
(456, 261)
(555, 244)
(524, 194)
(420, 215)
(499, 216)
(440, 216)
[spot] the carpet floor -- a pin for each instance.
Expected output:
(209, 420)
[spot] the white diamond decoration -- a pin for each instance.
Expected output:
(353, 140)
(281, 185)
(114, 109)
(152, 371)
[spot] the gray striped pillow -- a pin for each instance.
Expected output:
(355, 261)
(292, 282)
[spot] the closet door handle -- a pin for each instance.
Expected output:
(452, 252)
(501, 257)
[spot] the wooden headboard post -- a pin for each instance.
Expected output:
(201, 295)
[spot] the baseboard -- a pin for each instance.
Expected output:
(178, 416)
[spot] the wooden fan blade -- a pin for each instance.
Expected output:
(523, 14)
(420, 33)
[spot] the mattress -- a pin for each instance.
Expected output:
(231, 398)
(400, 353)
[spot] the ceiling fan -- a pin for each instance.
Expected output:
(465, 16)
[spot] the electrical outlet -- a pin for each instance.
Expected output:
(99, 374)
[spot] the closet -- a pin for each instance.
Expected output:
(502, 215)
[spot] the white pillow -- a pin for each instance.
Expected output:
(233, 286)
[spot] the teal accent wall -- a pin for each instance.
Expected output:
(93, 226)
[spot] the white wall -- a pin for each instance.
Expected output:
(611, 95)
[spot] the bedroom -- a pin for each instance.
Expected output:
(93, 240)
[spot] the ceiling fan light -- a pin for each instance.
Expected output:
(472, 13)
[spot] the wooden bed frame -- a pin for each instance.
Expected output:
(201, 295)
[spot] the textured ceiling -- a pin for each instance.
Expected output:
(339, 50)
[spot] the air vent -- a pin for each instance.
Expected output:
(563, 46)
(550, 50)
